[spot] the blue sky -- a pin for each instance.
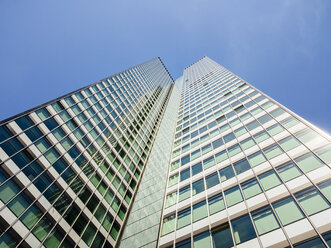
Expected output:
(49, 48)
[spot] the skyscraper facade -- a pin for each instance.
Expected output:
(138, 160)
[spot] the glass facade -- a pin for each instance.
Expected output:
(245, 171)
(138, 160)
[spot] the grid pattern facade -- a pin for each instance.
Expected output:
(70, 168)
(245, 171)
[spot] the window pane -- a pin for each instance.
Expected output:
(171, 199)
(185, 174)
(208, 162)
(287, 211)
(272, 151)
(240, 131)
(313, 243)
(325, 153)
(275, 129)
(308, 162)
(288, 171)
(289, 122)
(306, 135)
(233, 196)
(251, 188)
(243, 229)
(247, 143)
(197, 187)
(212, 180)
(264, 220)
(262, 136)
(196, 168)
(221, 156)
(311, 201)
(184, 218)
(326, 188)
(289, 143)
(256, 159)
(184, 193)
(241, 166)
(173, 180)
(184, 244)
(199, 211)
(168, 225)
(233, 150)
(222, 237)
(216, 203)
(226, 173)
(202, 240)
(269, 180)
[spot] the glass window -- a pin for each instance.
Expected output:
(241, 166)
(288, 171)
(252, 125)
(261, 136)
(226, 173)
(195, 154)
(256, 159)
(168, 225)
(184, 193)
(221, 156)
(277, 112)
(202, 240)
(185, 174)
(216, 203)
(233, 150)
(243, 229)
(311, 200)
(289, 143)
(269, 180)
(184, 218)
(185, 159)
(289, 122)
(325, 153)
(222, 237)
(198, 187)
(33, 133)
(206, 149)
(308, 162)
(212, 180)
(275, 129)
(325, 187)
(173, 180)
(287, 211)
(229, 137)
(306, 135)
(264, 220)
(251, 188)
(11, 146)
(171, 199)
(217, 143)
(208, 162)
(327, 238)
(240, 131)
(272, 151)
(312, 243)
(43, 114)
(183, 244)
(264, 119)
(197, 168)
(247, 143)
(199, 211)
(233, 196)
(42, 144)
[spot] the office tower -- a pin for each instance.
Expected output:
(138, 160)
(245, 171)
(71, 167)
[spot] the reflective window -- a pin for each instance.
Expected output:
(168, 225)
(212, 180)
(184, 218)
(311, 200)
(288, 171)
(272, 151)
(325, 187)
(312, 243)
(251, 188)
(261, 136)
(287, 211)
(226, 173)
(289, 143)
(243, 229)
(308, 162)
(184, 193)
(241, 166)
(247, 143)
(185, 174)
(222, 237)
(269, 180)
(233, 196)
(198, 187)
(256, 159)
(202, 240)
(196, 168)
(199, 211)
(221, 156)
(216, 203)
(325, 153)
(264, 220)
